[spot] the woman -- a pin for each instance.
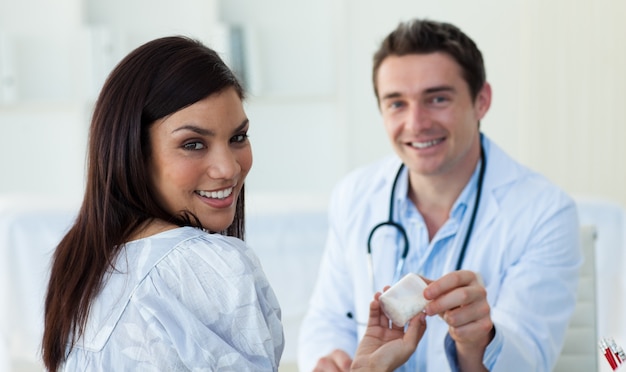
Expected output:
(153, 275)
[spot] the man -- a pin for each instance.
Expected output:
(497, 243)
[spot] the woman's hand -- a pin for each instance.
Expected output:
(385, 348)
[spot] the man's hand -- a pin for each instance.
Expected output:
(460, 299)
(384, 348)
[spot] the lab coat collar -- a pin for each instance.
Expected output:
(495, 179)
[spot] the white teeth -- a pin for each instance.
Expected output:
(216, 194)
(423, 145)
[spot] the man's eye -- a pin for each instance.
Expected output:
(396, 104)
(439, 99)
(193, 146)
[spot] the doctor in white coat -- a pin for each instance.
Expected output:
(497, 242)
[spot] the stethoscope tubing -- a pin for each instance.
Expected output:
(402, 231)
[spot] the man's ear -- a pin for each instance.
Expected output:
(483, 101)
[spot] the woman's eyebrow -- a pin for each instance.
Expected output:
(242, 125)
(207, 132)
(195, 129)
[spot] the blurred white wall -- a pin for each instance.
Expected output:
(555, 68)
(556, 71)
(54, 58)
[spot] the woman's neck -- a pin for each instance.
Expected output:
(151, 227)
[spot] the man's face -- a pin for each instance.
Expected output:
(429, 114)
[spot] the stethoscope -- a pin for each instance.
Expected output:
(402, 231)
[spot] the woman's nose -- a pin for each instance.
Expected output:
(223, 165)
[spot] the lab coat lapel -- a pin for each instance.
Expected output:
(501, 171)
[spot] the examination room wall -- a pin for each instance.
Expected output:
(556, 69)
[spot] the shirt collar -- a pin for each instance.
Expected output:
(404, 205)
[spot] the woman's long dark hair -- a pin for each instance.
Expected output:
(153, 81)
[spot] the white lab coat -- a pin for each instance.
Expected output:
(525, 244)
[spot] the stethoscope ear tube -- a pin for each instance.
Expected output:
(403, 234)
(398, 227)
(405, 251)
(470, 228)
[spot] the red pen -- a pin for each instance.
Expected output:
(613, 346)
(608, 354)
(621, 353)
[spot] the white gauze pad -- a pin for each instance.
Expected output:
(405, 299)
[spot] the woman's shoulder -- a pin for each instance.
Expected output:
(172, 272)
(193, 251)
(179, 243)
(193, 263)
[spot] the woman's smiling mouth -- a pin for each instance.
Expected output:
(221, 194)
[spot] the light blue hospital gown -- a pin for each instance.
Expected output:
(182, 300)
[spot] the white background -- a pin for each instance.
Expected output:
(556, 68)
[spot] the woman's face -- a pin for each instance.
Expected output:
(200, 156)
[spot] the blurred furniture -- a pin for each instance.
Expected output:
(580, 351)
(289, 241)
(30, 228)
(609, 219)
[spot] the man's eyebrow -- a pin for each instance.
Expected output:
(442, 88)
(436, 89)
(390, 96)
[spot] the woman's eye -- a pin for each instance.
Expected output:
(240, 138)
(193, 146)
